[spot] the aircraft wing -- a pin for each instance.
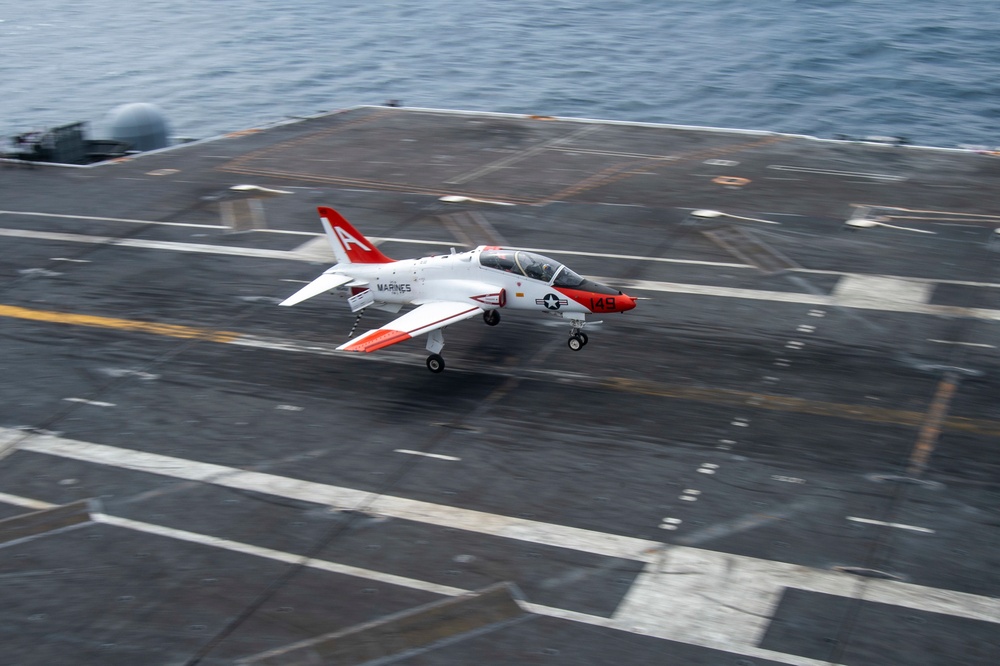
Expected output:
(320, 285)
(424, 319)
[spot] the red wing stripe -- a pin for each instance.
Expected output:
(377, 340)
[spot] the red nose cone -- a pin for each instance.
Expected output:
(627, 302)
(598, 302)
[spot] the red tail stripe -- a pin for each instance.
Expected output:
(359, 249)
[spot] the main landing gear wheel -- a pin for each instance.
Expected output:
(435, 363)
(577, 341)
(491, 317)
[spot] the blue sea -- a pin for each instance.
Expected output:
(926, 70)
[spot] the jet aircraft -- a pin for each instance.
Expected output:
(451, 287)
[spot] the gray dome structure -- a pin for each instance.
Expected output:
(141, 125)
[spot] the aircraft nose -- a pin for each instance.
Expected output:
(629, 302)
(599, 298)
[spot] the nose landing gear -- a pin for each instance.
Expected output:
(491, 317)
(577, 342)
(577, 338)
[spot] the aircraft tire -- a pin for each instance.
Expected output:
(435, 363)
(583, 336)
(491, 317)
(575, 342)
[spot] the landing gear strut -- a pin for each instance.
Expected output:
(435, 343)
(435, 363)
(577, 338)
(491, 317)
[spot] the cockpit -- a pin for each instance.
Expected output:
(529, 264)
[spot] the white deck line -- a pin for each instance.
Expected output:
(297, 255)
(392, 579)
(727, 599)
(873, 303)
(883, 305)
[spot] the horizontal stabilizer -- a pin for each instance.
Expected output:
(320, 285)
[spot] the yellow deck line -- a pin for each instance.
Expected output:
(754, 400)
(778, 403)
(168, 330)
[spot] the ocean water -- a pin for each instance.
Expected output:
(923, 69)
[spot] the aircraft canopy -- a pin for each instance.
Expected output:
(530, 264)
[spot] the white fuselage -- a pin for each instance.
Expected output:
(453, 277)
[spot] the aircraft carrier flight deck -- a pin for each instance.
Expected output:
(786, 454)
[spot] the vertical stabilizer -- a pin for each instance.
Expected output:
(349, 245)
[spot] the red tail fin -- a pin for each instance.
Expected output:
(350, 246)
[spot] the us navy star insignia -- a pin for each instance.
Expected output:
(551, 301)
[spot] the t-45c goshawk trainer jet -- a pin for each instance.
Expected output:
(452, 287)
